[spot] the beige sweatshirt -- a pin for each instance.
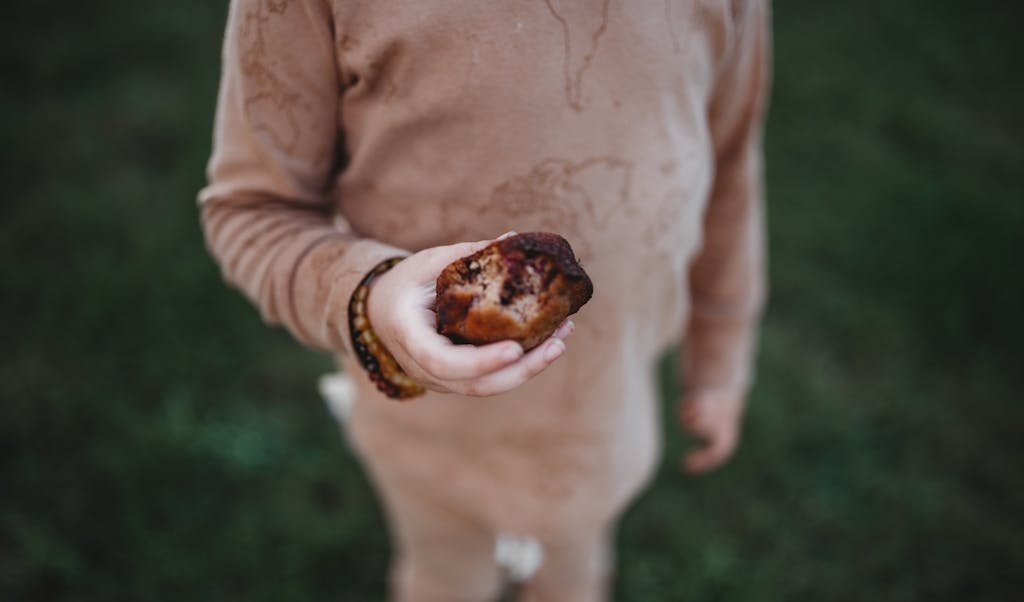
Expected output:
(351, 131)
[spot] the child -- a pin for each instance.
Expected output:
(350, 132)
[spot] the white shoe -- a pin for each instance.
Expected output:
(519, 556)
(339, 391)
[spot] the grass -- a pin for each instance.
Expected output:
(157, 442)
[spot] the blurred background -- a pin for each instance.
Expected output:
(157, 442)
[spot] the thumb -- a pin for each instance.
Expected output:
(716, 449)
(440, 257)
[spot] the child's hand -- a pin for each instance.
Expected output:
(400, 310)
(716, 417)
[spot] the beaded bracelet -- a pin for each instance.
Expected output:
(384, 371)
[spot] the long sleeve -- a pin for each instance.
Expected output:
(266, 214)
(727, 279)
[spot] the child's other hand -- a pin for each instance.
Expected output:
(715, 417)
(400, 308)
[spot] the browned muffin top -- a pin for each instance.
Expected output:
(519, 288)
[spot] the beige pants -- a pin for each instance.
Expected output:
(442, 555)
(446, 553)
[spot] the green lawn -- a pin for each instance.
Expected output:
(157, 442)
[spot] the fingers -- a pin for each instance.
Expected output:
(688, 415)
(478, 371)
(715, 419)
(444, 361)
(441, 360)
(531, 364)
(712, 455)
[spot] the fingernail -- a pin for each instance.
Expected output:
(507, 234)
(564, 330)
(555, 349)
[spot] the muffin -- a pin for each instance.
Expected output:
(519, 288)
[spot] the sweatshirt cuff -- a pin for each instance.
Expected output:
(326, 281)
